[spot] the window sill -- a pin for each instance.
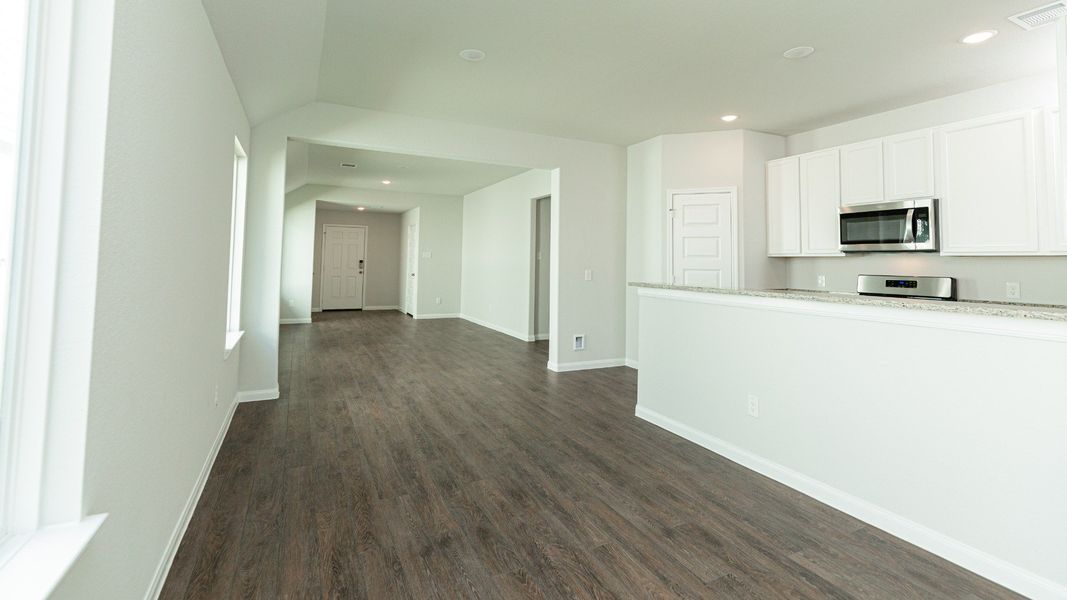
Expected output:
(43, 557)
(232, 339)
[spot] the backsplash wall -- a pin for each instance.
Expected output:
(1043, 279)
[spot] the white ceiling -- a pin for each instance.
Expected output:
(621, 71)
(321, 165)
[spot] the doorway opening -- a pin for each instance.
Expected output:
(542, 266)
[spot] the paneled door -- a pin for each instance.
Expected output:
(344, 253)
(702, 239)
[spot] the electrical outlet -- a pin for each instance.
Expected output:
(588, 274)
(427, 254)
(821, 281)
(579, 342)
(216, 395)
(437, 300)
(1013, 290)
(753, 406)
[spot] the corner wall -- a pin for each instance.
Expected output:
(161, 392)
(497, 280)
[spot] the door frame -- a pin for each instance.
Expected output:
(411, 280)
(534, 265)
(738, 277)
(322, 266)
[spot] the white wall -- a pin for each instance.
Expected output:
(440, 231)
(382, 260)
(587, 219)
(734, 158)
(498, 243)
(981, 278)
(160, 318)
(944, 429)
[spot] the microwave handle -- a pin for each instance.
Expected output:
(909, 230)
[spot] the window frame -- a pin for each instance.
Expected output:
(238, 203)
(48, 344)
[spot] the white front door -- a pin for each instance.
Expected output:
(413, 261)
(702, 239)
(344, 251)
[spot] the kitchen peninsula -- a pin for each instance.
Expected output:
(939, 422)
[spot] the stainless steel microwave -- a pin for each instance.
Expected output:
(905, 226)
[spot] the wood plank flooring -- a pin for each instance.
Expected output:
(439, 459)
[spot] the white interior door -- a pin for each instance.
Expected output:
(702, 239)
(411, 269)
(344, 252)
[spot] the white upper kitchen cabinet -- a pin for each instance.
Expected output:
(783, 207)
(988, 185)
(861, 173)
(820, 199)
(1054, 234)
(909, 165)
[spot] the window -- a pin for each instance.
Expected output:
(13, 29)
(237, 238)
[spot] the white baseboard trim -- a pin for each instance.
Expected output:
(315, 309)
(541, 337)
(995, 569)
(436, 316)
(163, 569)
(295, 321)
(381, 308)
(257, 395)
(606, 363)
(632, 363)
(497, 328)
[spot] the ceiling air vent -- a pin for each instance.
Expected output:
(348, 165)
(1038, 17)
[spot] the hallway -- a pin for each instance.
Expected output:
(439, 459)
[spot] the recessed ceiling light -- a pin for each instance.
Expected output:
(979, 37)
(799, 52)
(472, 54)
(729, 118)
(386, 182)
(361, 208)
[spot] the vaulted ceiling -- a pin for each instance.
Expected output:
(620, 71)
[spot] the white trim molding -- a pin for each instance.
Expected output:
(497, 328)
(587, 365)
(258, 395)
(178, 533)
(541, 337)
(968, 557)
(45, 556)
(295, 321)
(315, 309)
(632, 363)
(381, 308)
(437, 316)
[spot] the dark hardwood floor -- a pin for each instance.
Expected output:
(439, 459)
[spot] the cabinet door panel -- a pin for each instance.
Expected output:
(1054, 236)
(783, 207)
(861, 173)
(909, 166)
(988, 186)
(820, 199)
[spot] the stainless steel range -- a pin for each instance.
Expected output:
(933, 288)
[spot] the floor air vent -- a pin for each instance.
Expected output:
(1038, 17)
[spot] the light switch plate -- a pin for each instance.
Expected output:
(427, 254)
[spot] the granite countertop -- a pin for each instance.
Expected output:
(1045, 312)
